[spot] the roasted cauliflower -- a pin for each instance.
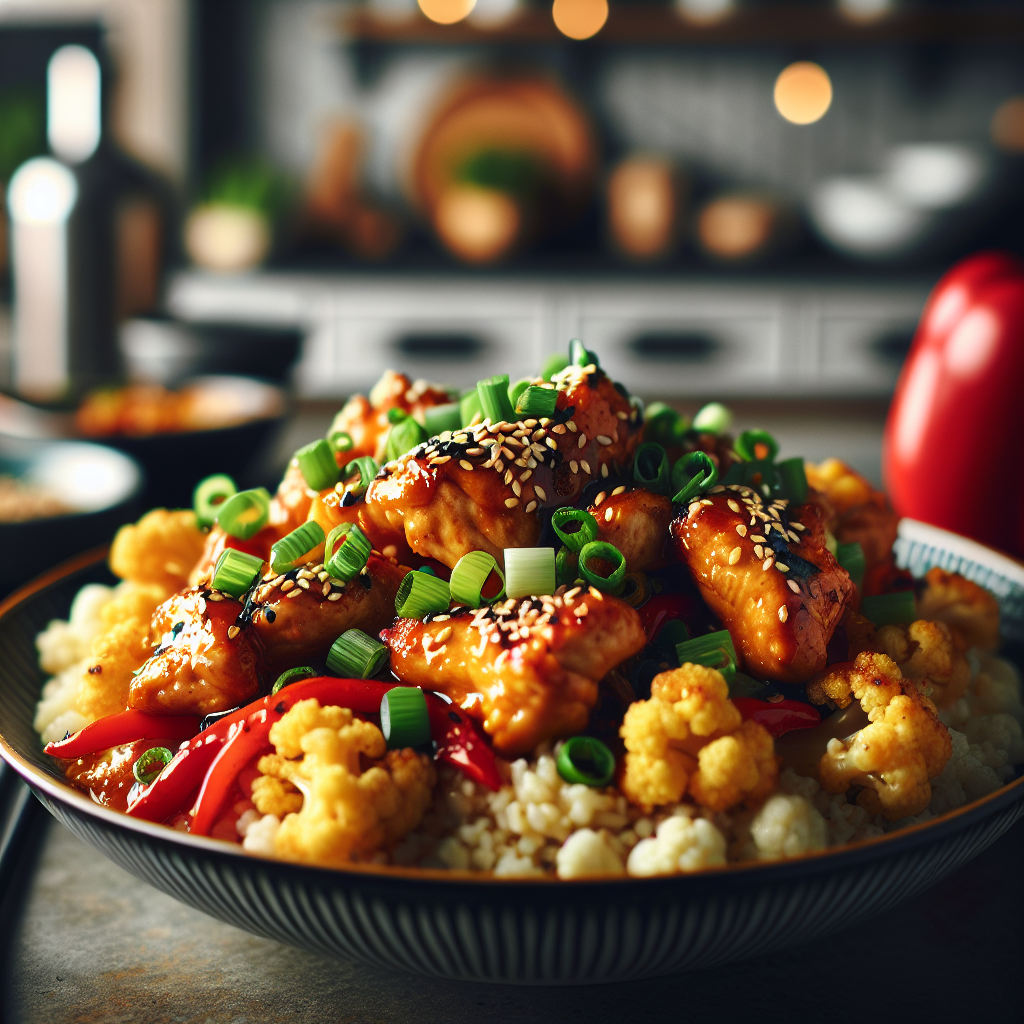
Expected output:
(903, 746)
(346, 812)
(927, 653)
(690, 737)
(160, 548)
(971, 612)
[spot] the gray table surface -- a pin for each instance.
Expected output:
(91, 943)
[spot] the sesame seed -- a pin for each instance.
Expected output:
(571, 424)
(604, 439)
(321, 576)
(304, 584)
(540, 492)
(781, 567)
(531, 462)
(336, 596)
(511, 502)
(622, 415)
(794, 586)
(794, 537)
(326, 589)
(441, 618)
(706, 501)
(757, 538)
(517, 489)
(474, 451)
(741, 529)
(468, 466)
(570, 594)
(508, 477)
(444, 634)
(717, 489)
(288, 584)
(521, 463)
(499, 465)
(550, 442)
(798, 526)
(604, 470)
(767, 564)
(233, 631)
(215, 597)
(783, 613)
(295, 593)
(582, 441)
(735, 555)
(608, 515)
(733, 505)
(526, 476)
(558, 428)
(599, 499)
(538, 434)
(581, 610)
(585, 465)
(531, 506)
(507, 453)
(441, 460)
(694, 508)
(759, 551)
(304, 574)
(574, 466)
(618, 490)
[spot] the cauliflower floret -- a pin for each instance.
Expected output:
(1001, 732)
(131, 600)
(113, 656)
(787, 826)
(346, 812)
(689, 735)
(997, 688)
(894, 756)
(971, 611)
(926, 652)
(965, 777)
(588, 854)
(160, 548)
(63, 644)
(681, 844)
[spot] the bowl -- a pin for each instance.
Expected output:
(100, 486)
(460, 926)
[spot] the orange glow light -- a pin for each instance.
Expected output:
(803, 92)
(580, 19)
(446, 12)
(1008, 125)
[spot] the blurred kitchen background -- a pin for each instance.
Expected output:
(745, 200)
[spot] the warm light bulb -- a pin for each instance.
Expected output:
(73, 115)
(865, 11)
(446, 12)
(1007, 126)
(803, 92)
(580, 19)
(705, 12)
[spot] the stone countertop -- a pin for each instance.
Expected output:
(89, 942)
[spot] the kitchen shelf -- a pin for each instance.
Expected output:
(651, 24)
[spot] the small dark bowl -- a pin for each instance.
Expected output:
(175, 462)
(102, 486)
(464, 926)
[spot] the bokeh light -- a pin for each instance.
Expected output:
(865, 11)
(446, 12)
(803, 92)
(705, 12)
(1007, 126)
(580, 19)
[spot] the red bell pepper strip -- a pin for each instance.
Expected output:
(124, 727)
(168, 793)
(951, 454)
(663, 608)
(780, 717)
(459, 743)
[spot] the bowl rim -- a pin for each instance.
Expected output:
(832, 858)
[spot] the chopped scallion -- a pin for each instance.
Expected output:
(439, 418)
(318, 465)
(600, 550)
(469, 407)
(340, 441)
(693, 474)
(236, 571)
(494, 403)
(290, 550)
(403, 437)
(713, 418)
(529, 572)
(404, 718)
(396, 415)
(555, 363)
(469, 576)
(715, 650)
(851, 558)
(536, 401)
(420, 593)
(651, 468)
(350, 558)
(515, 390)
(580, 355)
(366, 468)
(244, 513)
(794, 479)
(575, 528)
(636, 589)
(583, 759)
(663, 424)
(671, 635)
(567, 566)
(293, 675)
(889, 609)
(209, 495)
(150, 764)
(354, 655)
(756, 446)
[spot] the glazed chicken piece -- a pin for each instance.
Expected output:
(366, 421)
(636, 521)
(529, 669)
(296, 617)
(856, 513)
(765, 571)
(484, 488)
(203, 663)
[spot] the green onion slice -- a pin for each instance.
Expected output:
(402, 438)
(601, 549)
(794, 479)
(350, 559)
(555, 363)
(404, 718)
(529, 572)
(236, 571)
(291, 550)
(537, 401)
(318, 465)
(396, 415)
(494, 403)
(515, 390)
(567, 566)
(584, 527)
(671, 635)
(651, 468)
(851, 558)
(367, 469)
(636, 589)
(340, 441)
(439, 418)
(244, 513)
(693, 474)
(756, 445)
(293, 675)
(713, 418)
(663, 424)
(586, 760)
(715, 650)
(469, 407)
(420, 593)
(151, 763)
(469, 576)
(580, 355)
(354, 655)
(209, 495)
(889, 609)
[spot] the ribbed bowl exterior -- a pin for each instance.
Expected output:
(480, 929)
